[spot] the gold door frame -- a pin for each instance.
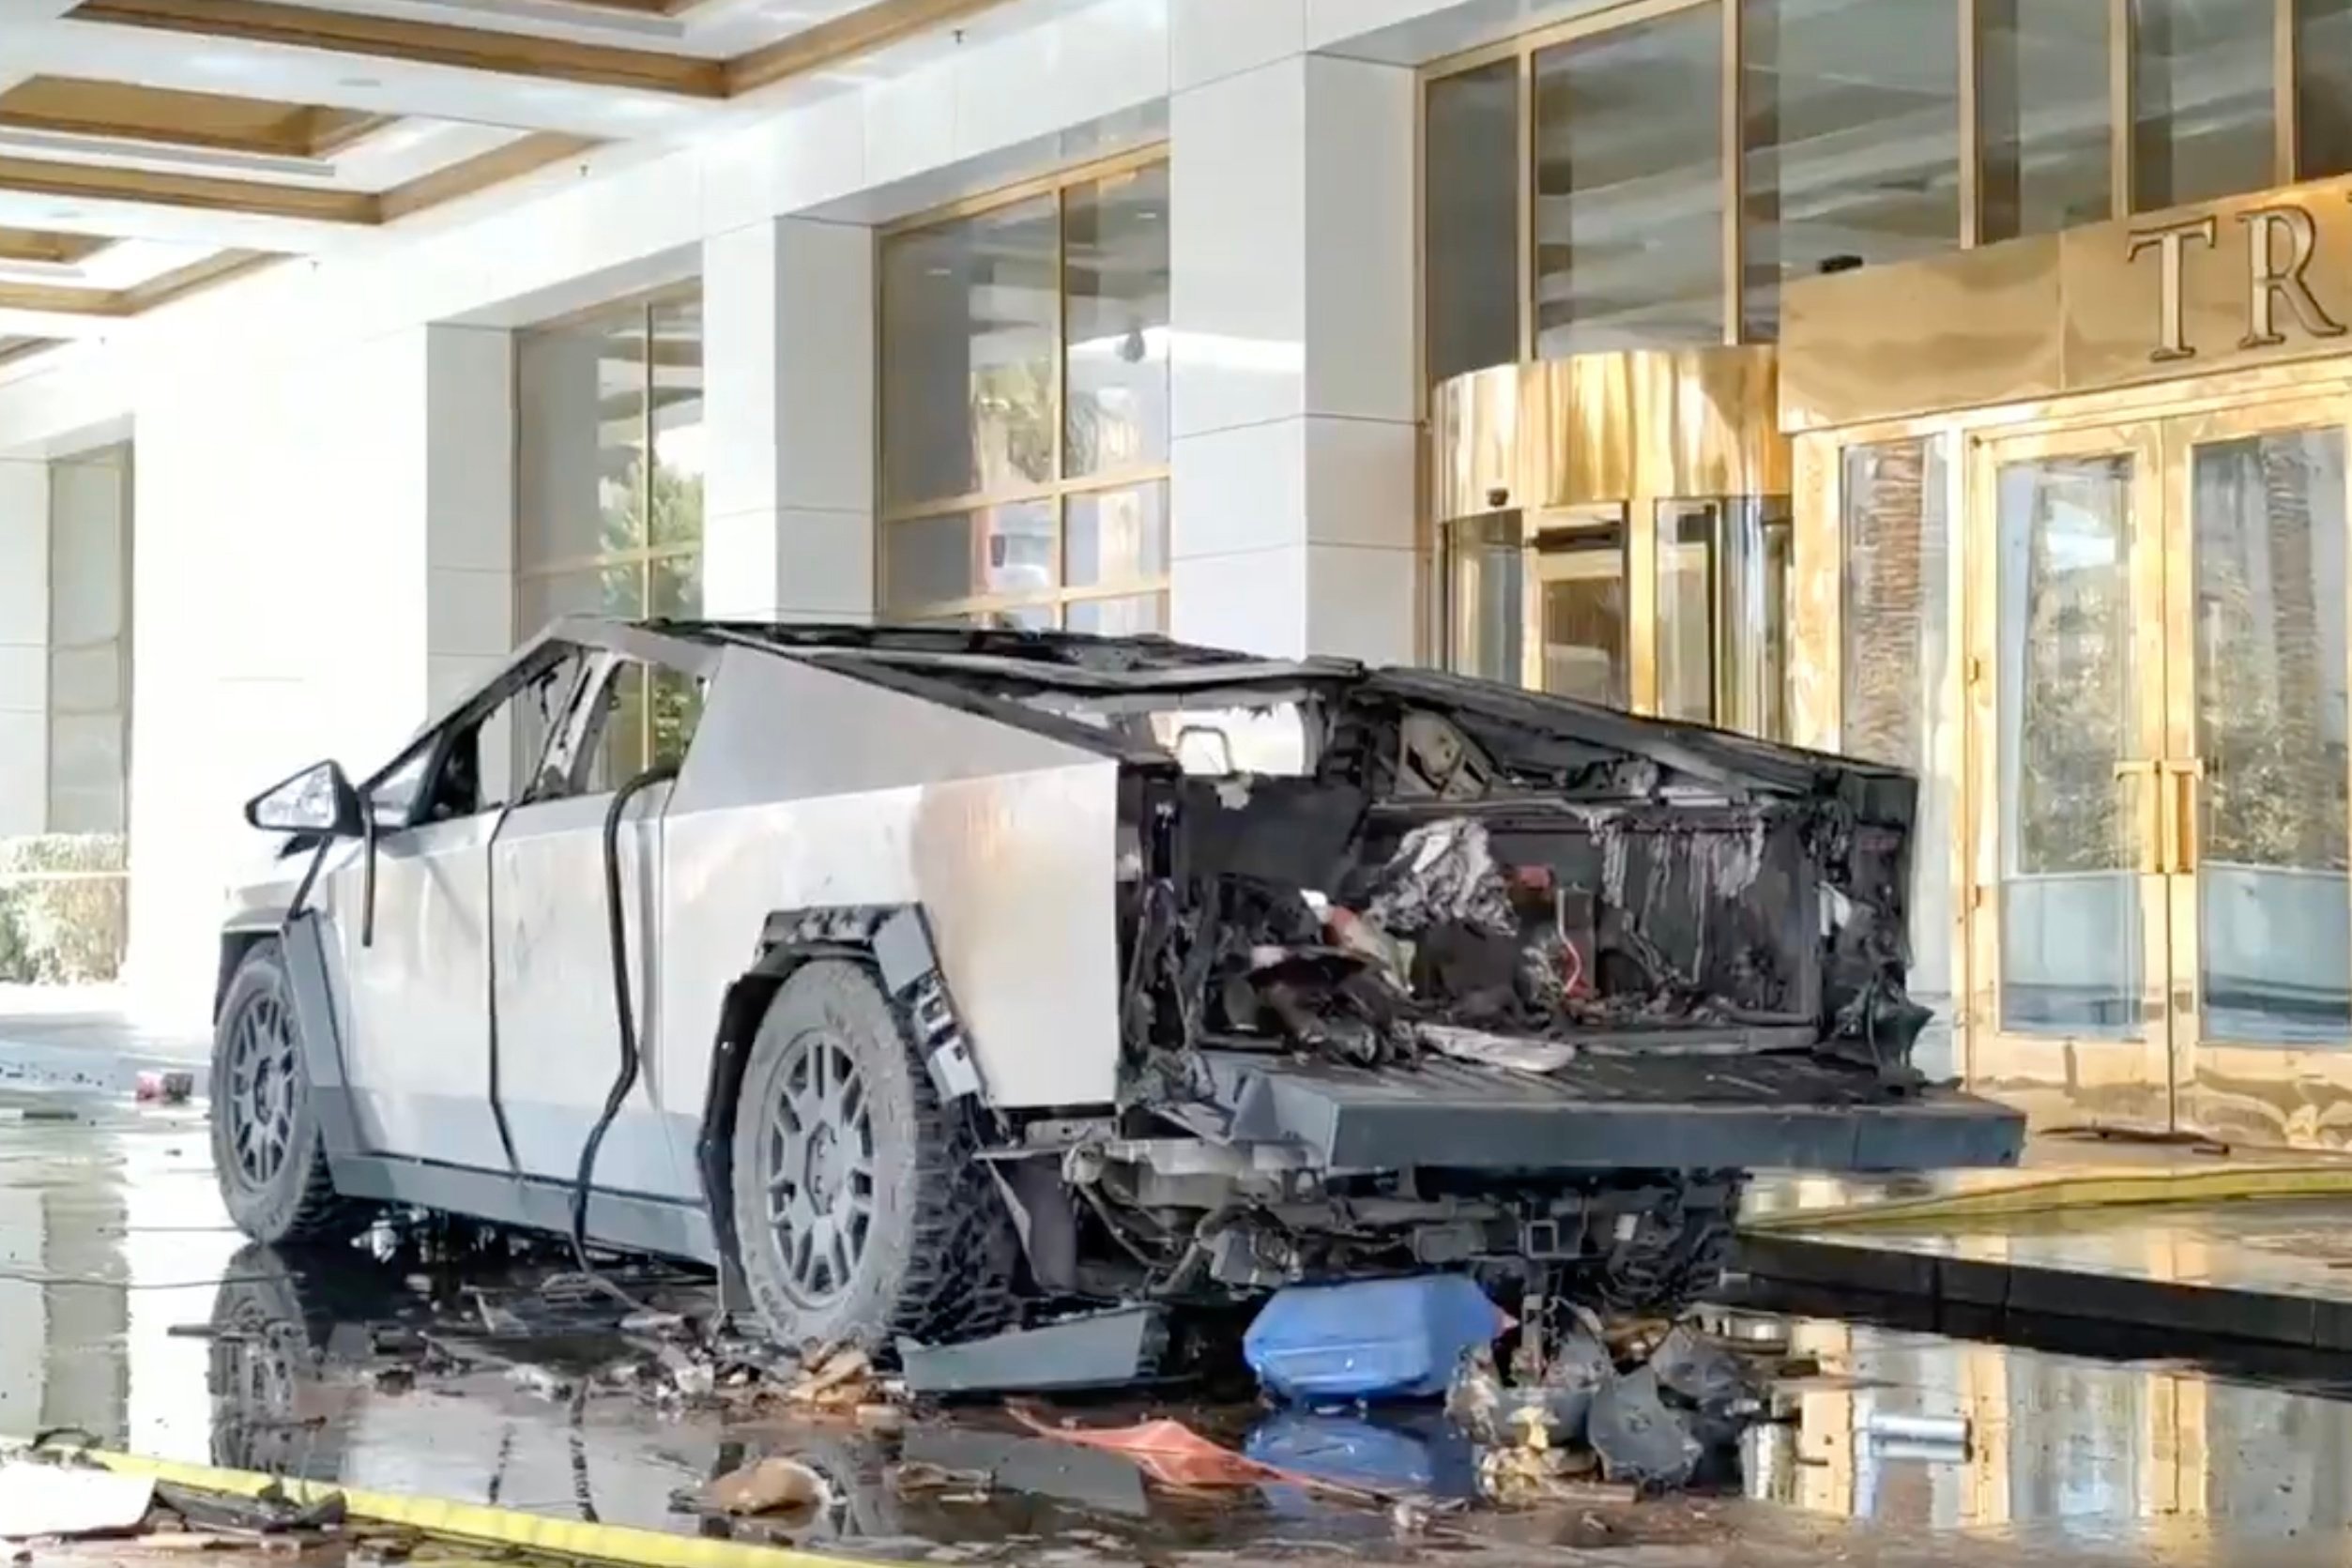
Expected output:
(2270, 1094)
(2118, 1081)
(2251, 1092)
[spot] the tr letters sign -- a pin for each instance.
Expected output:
(2277, 242)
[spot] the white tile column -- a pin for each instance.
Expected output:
(1292, 257)
(23, 647)
(789, 347)
(468, 457)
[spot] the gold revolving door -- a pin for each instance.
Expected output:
(1616, 527)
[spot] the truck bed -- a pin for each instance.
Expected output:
(1786, 1111)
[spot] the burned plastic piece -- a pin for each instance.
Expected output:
(1443, 872)
(1104, 1350)
(1518, 1053)
(1705, 1373)
(1638, 1440)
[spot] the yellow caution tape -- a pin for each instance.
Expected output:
(2072, 1191)
(479, 1523)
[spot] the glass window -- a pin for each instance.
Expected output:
(1115, 272)
(1629, 186)
(2323, 88)
(1024, 410)
(969, 329)
(1470, 213)
(89, 643)
(611, 458)
(2043, 116)
(1723, 587)
(1483, 610)
(1579, 567)
(1851, 149)
(2203, 107)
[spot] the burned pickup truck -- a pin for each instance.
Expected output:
(923, 979)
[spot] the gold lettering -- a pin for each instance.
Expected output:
(2170, 243)
(2266, 281)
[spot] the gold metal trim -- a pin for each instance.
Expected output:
(1732, 108)
(1022, 190)
(1530, 269)
(2119, 100)
(2283, 89)
(1971, 128)
(1596, 428)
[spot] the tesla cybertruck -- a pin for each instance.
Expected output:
(935, 977)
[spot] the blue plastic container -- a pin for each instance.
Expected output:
(1373, 1339)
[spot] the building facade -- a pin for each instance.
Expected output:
(1960, 383)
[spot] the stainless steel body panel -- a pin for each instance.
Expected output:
(558, 1041)
(805, 789)
(416, 1001)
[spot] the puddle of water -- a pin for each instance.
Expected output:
(133, 1312)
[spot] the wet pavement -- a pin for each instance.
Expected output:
(130, 1311)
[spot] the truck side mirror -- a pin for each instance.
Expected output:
(318, 799)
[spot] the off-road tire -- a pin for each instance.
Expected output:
(939, 1251)
(293, 1203)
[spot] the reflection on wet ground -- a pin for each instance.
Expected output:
(128, 1309)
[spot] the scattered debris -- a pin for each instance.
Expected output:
(772, 1485)
(538, 1381)
(37, 1500)
(1518, 1053)
(173, 1088)
(1638, 1439)
(843, 1380)
(1171, 1453)
(1102, 1349)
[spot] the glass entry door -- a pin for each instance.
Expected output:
(2160, 915)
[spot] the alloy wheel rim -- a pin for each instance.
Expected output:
(261, 1089)
(819, 1168)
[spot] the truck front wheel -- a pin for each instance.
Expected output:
(861, 1211)
(267, 1153)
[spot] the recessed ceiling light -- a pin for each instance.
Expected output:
(360, 82)
(65, 214)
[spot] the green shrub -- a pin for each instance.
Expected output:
(62, 931)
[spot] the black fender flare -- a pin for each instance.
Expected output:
(894, 941)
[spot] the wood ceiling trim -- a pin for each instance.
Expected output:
(525, 155)
(161, 289)
(171, 118)
(181, 281)
(42, 247)
(844, 37)
(424, 42)
(200, 192)
(19, 348)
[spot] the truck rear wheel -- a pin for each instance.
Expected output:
(267, 1153)
(861, 1212)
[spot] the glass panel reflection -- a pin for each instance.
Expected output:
(1115, 269)
(2274, 899)
(1135, 615)
(1629, 188)
(1686, 620)
(1116, 536)
(1470, 152)
(1581, 581)
(2323, 88)
(2203, 105)
(1851, 146)
(1484, 609)
(2043, 116)
(2070, 933)
(969, 331)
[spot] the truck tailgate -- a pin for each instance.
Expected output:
(1791, 1111)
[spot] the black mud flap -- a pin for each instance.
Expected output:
(304, 948)
(1748, 1113)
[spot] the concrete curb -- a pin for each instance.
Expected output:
(2068, 1191)
(474, 1523)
